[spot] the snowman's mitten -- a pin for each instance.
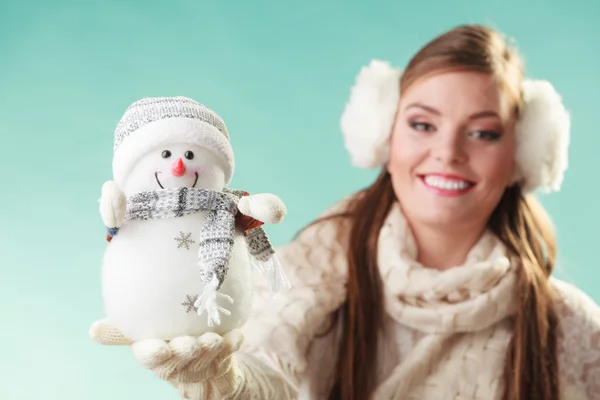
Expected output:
(264, 207)
(113, 205)
(201, 368)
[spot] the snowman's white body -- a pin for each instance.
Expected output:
(148, 274)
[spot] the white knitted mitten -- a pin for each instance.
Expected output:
(200, 368)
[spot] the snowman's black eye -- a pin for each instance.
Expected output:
(166, 154)
(189, 155)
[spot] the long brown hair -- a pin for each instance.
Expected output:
(520, 222)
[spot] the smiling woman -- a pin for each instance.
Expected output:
(451, 159)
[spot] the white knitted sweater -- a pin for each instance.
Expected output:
(446, 331)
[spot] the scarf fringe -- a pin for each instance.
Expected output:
(273, 271)
(207, 302)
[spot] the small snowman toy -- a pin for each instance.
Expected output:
(182, 245)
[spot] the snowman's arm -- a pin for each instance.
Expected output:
(246, 223)
(113, 205)
(264, 207)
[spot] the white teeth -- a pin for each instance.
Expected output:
(446, 184)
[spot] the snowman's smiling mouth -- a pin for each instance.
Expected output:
(161, 186)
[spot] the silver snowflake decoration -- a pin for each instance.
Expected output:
(184, 240)
(189, 303)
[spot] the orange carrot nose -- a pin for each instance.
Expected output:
(178, 167)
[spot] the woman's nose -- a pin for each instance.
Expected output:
(450, 148)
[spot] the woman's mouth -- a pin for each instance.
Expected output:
(447, 185)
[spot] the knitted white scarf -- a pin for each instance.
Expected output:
(460, 304)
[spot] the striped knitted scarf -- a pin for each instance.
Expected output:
(217, 233)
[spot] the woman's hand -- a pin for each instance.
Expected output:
(199, 367)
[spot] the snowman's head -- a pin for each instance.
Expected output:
(171, 142)
(174, 166)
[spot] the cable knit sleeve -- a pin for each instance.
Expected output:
(578, 343)
(281, 329)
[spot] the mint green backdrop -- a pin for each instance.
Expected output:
(279, 74)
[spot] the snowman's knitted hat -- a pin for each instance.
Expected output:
(159, 121)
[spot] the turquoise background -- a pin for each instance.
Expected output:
(279, 74)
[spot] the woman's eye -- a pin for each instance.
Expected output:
(487, 135)
(421, 126)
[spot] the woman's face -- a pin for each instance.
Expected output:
(451, 154)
